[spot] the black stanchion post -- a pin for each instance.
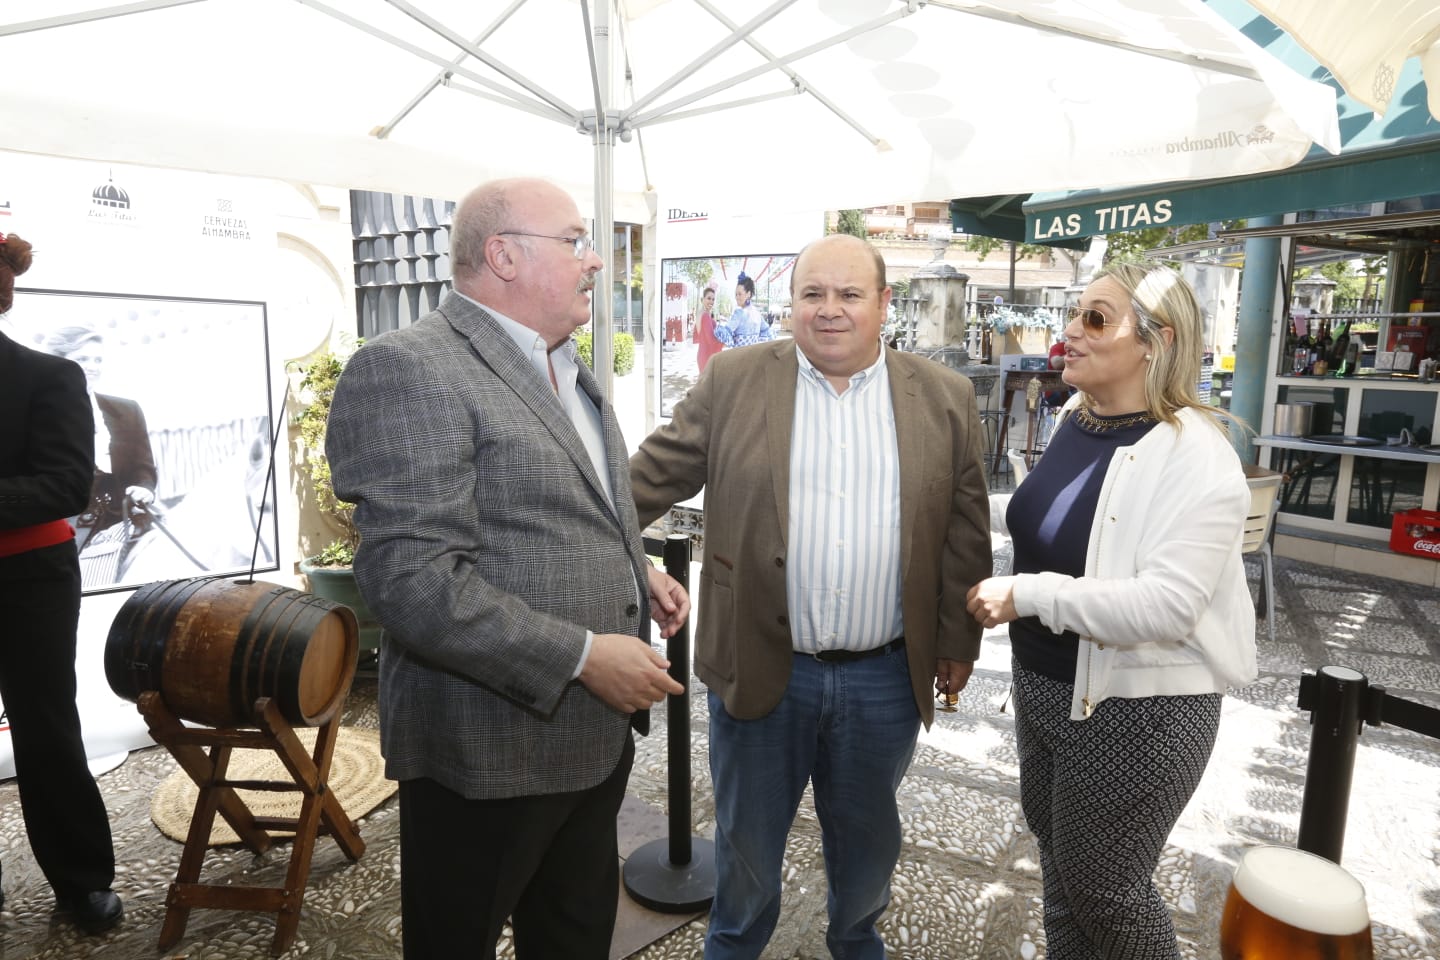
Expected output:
(677, 721)
(1334, 696)
(675, 875)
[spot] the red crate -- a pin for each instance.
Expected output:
(1417, 532)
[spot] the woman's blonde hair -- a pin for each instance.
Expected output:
(1162, 299)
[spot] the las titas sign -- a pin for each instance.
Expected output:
(1125, 216)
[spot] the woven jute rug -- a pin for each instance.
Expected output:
(357, 775)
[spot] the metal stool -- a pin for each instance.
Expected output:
(989, 419)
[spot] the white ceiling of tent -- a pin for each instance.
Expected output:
(947, 99)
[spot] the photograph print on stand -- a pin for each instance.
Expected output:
(183, 431)
(709, 304)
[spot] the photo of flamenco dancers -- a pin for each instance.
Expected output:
(711, 304)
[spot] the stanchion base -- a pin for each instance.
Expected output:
(654, 882)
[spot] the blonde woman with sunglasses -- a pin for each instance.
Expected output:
(1128, 609)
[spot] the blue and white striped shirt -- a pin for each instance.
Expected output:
(843, 577)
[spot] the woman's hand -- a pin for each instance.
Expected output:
(992, 601)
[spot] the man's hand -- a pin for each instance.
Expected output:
(951, 676)
(626, 673)
(669, 603)
(992, 601)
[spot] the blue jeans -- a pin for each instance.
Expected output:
(850, 728)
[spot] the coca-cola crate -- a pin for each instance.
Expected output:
(1417, 532)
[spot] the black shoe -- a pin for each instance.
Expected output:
(95, 912)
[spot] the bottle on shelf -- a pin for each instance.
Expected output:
(1299, 350)
(1351, 359)
(1340, 340)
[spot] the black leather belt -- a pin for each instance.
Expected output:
(847, 656)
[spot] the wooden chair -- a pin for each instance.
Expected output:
(1259, 524)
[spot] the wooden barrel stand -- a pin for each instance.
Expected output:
(320, 812)
(250, 659)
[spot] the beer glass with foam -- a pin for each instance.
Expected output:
(1294, 905)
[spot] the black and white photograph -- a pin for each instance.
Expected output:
(180, 390)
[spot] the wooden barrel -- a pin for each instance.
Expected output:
(212, 647)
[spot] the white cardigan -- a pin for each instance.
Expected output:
(1164, 607)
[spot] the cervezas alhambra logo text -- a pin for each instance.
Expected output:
(1222, 140)
(223, 224)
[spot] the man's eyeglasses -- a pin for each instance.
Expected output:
(1094, 322)
(581, 243)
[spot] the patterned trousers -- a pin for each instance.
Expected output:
(1101, 796)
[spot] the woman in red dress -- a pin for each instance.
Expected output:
(705, 333)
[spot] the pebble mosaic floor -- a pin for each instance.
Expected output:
(967, 886)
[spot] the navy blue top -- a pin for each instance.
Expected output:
(1050, 517)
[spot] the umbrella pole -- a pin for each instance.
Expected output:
(603, 302)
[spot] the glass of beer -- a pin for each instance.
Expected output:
(1294, 905)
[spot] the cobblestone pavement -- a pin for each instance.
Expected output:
(967, 885)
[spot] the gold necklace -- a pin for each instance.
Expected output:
(1094, 424)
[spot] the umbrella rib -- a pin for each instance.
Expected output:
(765, 16)
(1211, 64)
(731, 105)
(802, 85)
(511, 97)
(538, 109)
(444, 75)
(630, 89)
(89, 16)
(433, 25)
(630, 118)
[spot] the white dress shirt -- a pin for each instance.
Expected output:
(843, 576)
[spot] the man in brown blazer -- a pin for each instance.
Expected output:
(846, 517)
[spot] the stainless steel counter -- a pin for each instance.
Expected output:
(1379, 451)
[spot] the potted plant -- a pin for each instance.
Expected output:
(329, 570)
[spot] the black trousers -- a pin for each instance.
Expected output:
(64, 815)
(548, 863)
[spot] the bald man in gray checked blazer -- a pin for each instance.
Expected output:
(500, 550)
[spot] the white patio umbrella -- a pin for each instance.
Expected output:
(749, 106)
(1365, 45)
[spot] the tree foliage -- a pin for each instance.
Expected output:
(623, 347)
(1356, 279)
(1130, 247)
(698, 272)
(982, 247)
(853, 223)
